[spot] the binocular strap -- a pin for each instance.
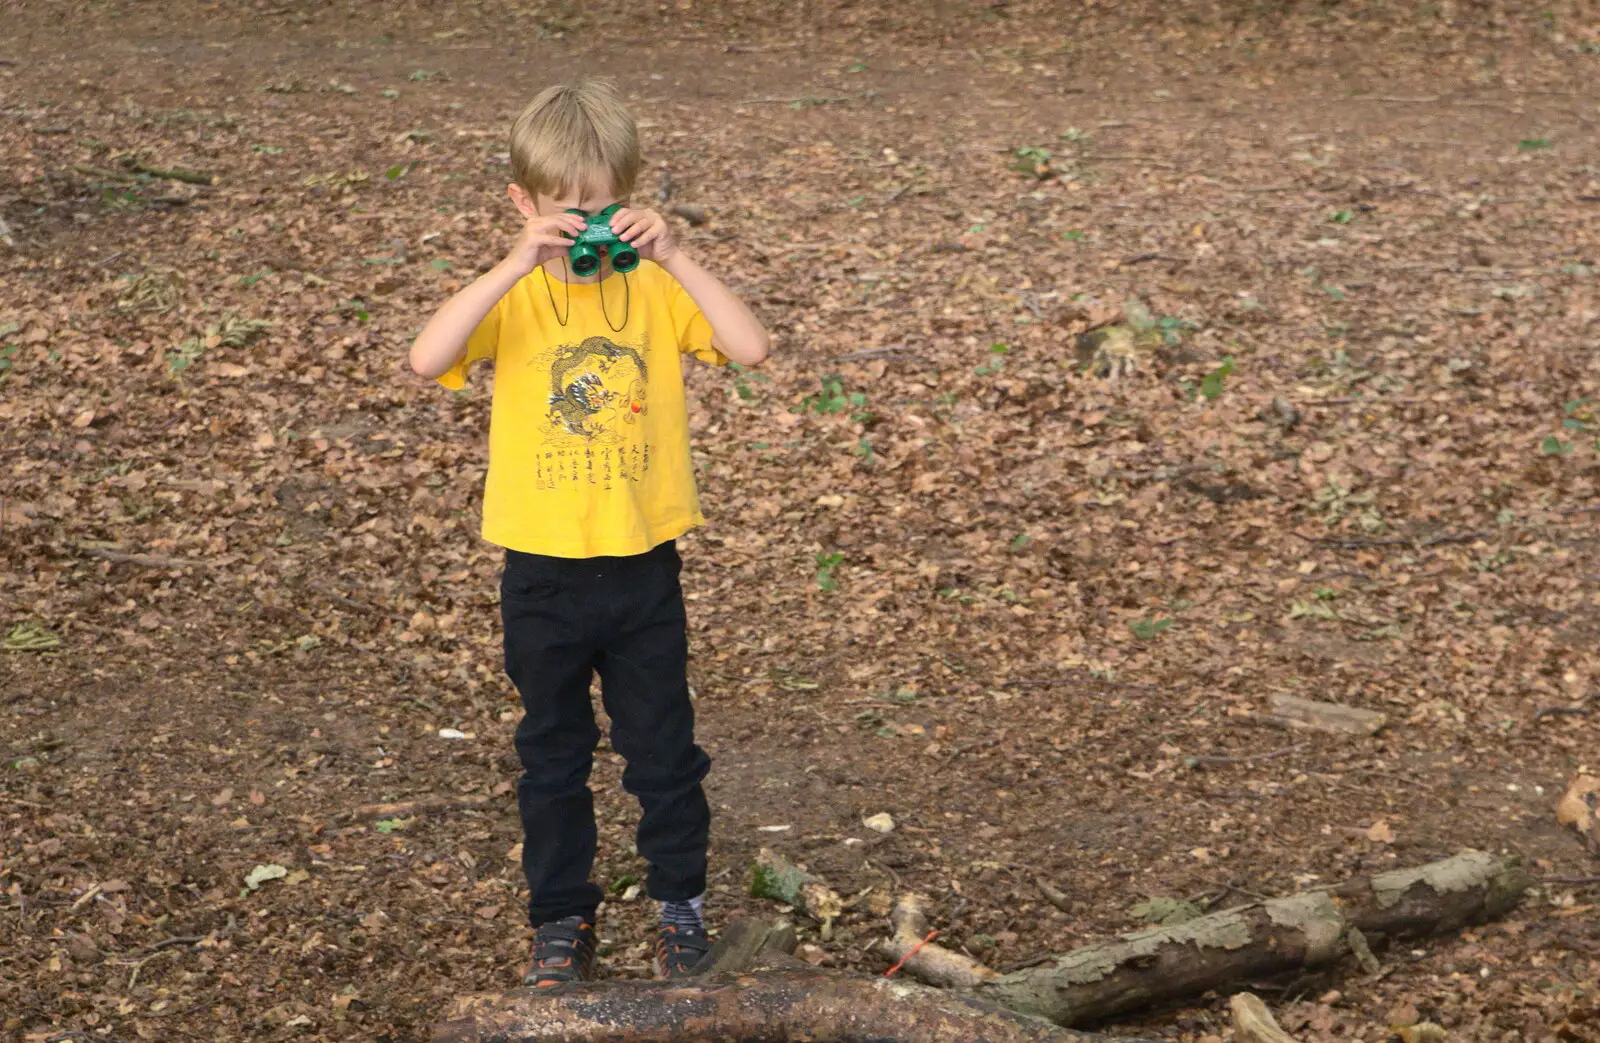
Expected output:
(627, 298)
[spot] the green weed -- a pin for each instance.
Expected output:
(740, 377)
(1032, 160)
(1147, 629)
(826, 566)
(833, 398)
(1211, 383)
(994, 365)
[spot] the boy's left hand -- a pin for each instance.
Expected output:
(647, 232)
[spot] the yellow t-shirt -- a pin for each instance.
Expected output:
(588, 432)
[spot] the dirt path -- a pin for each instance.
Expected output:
(949, 577)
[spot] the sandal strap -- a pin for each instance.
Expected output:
(684, 947)
(560, 944)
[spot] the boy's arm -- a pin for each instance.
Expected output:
(735, 330)
(443, 340)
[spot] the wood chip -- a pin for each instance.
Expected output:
(1309, 715)
(1580, 809)
(1253, 1022)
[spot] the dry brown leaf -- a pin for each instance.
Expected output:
(1580, 809)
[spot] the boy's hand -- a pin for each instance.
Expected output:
(647, 232)
(542, 240)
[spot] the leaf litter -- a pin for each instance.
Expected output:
(1337, 447)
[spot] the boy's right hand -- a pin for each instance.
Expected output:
(542, 239)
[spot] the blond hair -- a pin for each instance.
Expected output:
(575, 136)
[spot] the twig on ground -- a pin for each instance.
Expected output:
(1196, 761)
(167, 943)
(102, 172)
(151, 561)
(1081, 676)
(421, 806)
(133, 979)
(1234, 888)
(897, 193)
(1579, 709)
(1571, 881)
(1146, 160)
(910, 946)
(792, 101)
(887, 869)
(359, 606)
(88, 896)
(958, 751)
(874, 353)
(190, 177)
(1056, 896)
(1153, 256)
(1431, 541)
(1357, 400)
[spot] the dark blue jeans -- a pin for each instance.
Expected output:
(565, 620)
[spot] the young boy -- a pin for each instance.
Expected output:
(589, 486)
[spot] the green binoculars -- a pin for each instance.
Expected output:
(585, 249)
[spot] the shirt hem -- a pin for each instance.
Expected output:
(588, 549)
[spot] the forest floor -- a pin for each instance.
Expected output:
(948, 575)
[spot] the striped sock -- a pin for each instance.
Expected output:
(685, 914)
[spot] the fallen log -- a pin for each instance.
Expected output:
(754, 992)
(1305, 930)
(768, 1006)
(750, 989)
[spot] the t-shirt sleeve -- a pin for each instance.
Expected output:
(691, 325)
(481, 345)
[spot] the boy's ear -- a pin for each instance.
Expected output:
(524, 203)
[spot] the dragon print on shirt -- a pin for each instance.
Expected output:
(595, 387)
(593, 433)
